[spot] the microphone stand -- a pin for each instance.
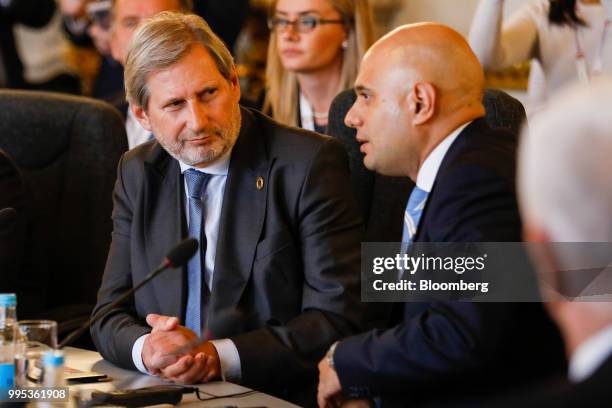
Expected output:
(85, 326)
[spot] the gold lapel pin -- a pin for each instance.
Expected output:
(259, 183)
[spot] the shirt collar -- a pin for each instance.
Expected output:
(306, 113)
(590, 355)
(219, 168)
(427, 174)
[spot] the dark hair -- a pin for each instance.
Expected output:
(564, 12)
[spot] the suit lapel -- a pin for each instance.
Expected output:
(242, 217)
(455, 148)
(163, 230)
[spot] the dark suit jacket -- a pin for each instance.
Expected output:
(34, 13)
(440, 348)
(286, 278)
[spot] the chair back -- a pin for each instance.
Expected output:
(67, 149)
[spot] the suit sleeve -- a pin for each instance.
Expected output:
(440, 342)
(329, 233)
(115, 334)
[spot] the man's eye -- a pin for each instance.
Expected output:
(173, 105)
(130, 23)
(208, 93)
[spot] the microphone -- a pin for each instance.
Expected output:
(7, 217)
(181, 254)
(177, 257)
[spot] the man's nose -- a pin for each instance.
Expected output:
(198, 117)
(352, 119)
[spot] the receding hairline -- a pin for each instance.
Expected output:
(191, 48)
(164, 40)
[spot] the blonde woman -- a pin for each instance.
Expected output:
(314, 53)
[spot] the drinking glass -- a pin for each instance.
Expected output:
(35, 338)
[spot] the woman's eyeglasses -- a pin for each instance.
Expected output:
(303, 24)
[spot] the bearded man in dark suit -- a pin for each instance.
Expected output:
(275, 280)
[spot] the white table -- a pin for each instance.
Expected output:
(86, 360)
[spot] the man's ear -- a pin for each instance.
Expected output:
(141, 115)
(542, 254)
(235, 83)
(422, 102)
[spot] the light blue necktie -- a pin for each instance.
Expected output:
(412, 214)
(196, 185)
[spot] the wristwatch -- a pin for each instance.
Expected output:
(329, 356)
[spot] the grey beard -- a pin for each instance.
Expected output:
(176, 150)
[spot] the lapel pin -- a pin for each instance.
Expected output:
(259, 183)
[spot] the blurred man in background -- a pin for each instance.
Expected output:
(566, 196)
(126, 17)
(88, 22)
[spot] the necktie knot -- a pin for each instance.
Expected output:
(196, 182)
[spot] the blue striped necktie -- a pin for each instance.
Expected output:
(412, 214)
(196, 185)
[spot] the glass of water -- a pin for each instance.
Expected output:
(35, 338)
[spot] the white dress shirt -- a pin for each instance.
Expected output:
(212, 205)
(429, 170)
(590, 355)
